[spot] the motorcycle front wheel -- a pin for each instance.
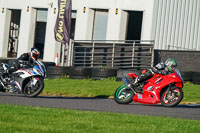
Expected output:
(171, 98)
(123, 95)
(33, 91)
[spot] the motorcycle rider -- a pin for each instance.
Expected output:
(25, 60)
(162, 68)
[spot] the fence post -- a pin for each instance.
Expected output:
(113, 55)
(152, 54)
(84, 57)
(133, 52)
(72, 53)
(92, 63)
(69, 53)
(63, 53)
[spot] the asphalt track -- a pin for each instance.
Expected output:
(185, 111)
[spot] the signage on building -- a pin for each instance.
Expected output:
(63, 22)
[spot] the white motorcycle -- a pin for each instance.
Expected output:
(27, 81)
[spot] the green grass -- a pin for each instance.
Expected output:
(191, 92)
(25, 119)
(92, 88)
(83, 87)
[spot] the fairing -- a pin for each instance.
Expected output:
(153, 87)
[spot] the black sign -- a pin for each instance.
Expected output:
(63, 22)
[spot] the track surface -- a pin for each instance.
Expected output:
(186, 111)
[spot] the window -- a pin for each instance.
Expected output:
(100, 24)
(73, 24)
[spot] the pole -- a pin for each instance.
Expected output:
(63, 54)
(69, 53)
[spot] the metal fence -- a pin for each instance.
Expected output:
(112, 54)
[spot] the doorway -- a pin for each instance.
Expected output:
(14, 33)
(134, 25)
(73, 24)
(40, 30)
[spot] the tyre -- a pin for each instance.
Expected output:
(102, 73)
(123, 95)
(196, 78)
(55, 76)
(187, 76)
(79, 73)
(33, 91)
(57, 72)
(121, 73)
(48, 64)
(10, 62)
(4, 61)
(171, 99)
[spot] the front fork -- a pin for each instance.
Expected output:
(170, 88)
(128, 84)
(34, 81)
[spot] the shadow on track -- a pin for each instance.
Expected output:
(60, 97)
(55, 97)
(101, 97)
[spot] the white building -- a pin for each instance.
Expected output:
(173, 24)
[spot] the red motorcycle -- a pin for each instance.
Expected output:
(164, 89)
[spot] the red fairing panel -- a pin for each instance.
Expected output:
(151, 90)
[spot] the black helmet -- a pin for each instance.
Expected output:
(35, 53)
(170, 63)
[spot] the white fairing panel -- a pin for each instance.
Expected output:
(26, 73)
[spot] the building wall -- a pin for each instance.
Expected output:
(83, 31)
(27, 26)
(187, 60)
(173, 24)
(176, 24)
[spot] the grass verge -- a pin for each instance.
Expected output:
(80, 87)
(25, 119)
(102, 88)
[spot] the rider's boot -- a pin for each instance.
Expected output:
(12, 90)
(12, 87)
(135, 85)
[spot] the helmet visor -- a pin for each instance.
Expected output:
(35, 55)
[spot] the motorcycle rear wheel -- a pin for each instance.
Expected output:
(29, 92)
(123, 95)
(171, 99)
